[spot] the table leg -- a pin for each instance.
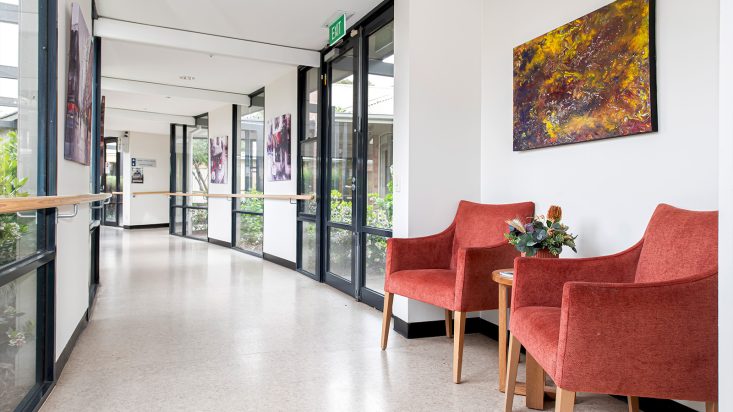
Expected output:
(502, 336)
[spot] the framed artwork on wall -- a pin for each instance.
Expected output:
(590, 79)
(219, 155)
(278, 148)
(78, 127)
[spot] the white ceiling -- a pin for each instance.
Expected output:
(291, 23)
(295, 23)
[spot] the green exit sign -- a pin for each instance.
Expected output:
(337, 30)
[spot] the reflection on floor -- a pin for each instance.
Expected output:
(183, 325)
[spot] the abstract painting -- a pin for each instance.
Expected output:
(219, 155)
(78, 131)
(590, 79)
(278, 148)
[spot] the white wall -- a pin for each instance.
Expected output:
(437, 120)
(73, 246)
(281, 97)
(146, 209)
(220, 210)
(608, 189)
(725, 191)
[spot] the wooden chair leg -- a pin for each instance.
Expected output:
(448, 323)
(535, 384)
(511, 378)
(711, 406)
(458, 335)
(633, 403)
(564, 401)
(386, 317)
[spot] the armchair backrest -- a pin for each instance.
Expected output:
(480, 225)
(678, 243)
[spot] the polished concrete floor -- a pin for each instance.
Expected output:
(181, 325)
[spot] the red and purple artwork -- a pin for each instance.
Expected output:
(590, 79)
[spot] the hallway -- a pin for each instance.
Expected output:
(184, 325)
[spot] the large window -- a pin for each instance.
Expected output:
(249, 170)
(190, 176)
(308, 164)
(27, 246)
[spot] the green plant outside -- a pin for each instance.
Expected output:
(11, 229)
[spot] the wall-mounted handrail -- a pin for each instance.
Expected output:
(226, 195)
(19, 204)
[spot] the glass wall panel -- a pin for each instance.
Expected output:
(18, 333)
(342, 145)
(197, 223)
(309, 144)
(308, 246)
(18, 125)
(178, 220)
(198, 164)
(340, 248)
(376, 262)
(249, 232)
(309, 175)
(380, 118)
(179, 162)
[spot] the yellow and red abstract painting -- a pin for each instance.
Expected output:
(590, 79)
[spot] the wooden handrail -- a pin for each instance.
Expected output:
(19, 204)
(225, 195)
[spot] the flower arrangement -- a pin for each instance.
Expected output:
(542, 233)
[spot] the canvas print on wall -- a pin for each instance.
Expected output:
(278, 148)
(590, 79)
(219, 155)
(78, 132)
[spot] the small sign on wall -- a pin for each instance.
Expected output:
(143, 162)
(138, 175)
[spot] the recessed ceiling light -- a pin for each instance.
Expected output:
(186, 77)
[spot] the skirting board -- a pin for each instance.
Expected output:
(278, 261)
(219, 242)
(416, 330)
(66, 353)
(152, 226)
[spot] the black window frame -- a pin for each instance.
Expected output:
(42, 261)
(236, 133)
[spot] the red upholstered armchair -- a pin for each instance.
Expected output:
(642, 322)
(452, 269)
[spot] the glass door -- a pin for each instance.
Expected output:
(359, 114)
(111, 182)
(340, 221)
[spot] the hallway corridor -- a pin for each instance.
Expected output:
(184, 325)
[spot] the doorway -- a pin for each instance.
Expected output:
(357, 186)
(112, 182)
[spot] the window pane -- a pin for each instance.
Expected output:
(380, 116)
(198, 164)
(197, 224)
(308, 245)
(376, 262)
(251, 152)
(339, 256)
(249, 232)
(178, 138)
(311, 104)
(341, 159)
(309, 175)
(178, 220)
(18, 126)
(17, 339)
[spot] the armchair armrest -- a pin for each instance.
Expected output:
(539, 282)
(645, 339)
(429, 252)
(473, 273)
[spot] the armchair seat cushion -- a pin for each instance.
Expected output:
(538, 328)
(434, 286)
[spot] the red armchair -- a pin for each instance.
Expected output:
(642, 322)
(452, 269)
